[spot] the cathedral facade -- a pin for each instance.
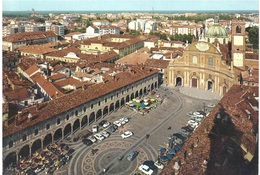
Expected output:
(204, 65)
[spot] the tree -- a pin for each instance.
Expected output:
(253, 36)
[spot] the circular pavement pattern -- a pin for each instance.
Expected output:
(109, 151)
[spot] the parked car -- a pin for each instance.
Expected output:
(132, 155)
(88, 133)
(93, 139)
(112, 128)
(117, 123)
(188, 128)
(94, 128)
(145, 169)
(198, 114)
(183, 138)
(105, 134)
(103, 123)
(184, 132)
(125, 119)
(159, 165)
(126, 134)
(99, 136)
(106, 124)
(87, 142)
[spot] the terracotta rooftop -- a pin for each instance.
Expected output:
(208, 144)
(32, 69)
(27, 36)
(49, 88)
(155, 63)
(72, 33)
(134, 58)
(57, 77)
(64, 103)
(19, 94)
(73, 82)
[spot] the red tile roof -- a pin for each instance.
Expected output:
(27, 36)
(64, 103)
(32, 69)
(211, 139)
(19, 94)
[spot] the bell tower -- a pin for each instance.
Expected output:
(238, 46)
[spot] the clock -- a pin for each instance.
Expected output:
(238, 40)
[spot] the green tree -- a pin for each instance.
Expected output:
(253, 36)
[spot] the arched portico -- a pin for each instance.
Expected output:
(105, 111)
(47, 140)
(111, 108)
(76, 125)
(84, 121)
(92, 118)
(25, 151)
(98, 114)
(117, 105)
(67, 130)
(178, 81)
(58, 134)
(37, 144)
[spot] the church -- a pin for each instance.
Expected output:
(210, 63)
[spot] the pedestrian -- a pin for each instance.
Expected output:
(147, 136)
(169, 127)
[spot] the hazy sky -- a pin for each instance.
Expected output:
(128, 5)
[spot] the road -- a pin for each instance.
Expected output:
(172, 112)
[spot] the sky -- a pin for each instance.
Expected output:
(128, 5)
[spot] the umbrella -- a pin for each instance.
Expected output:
(138, 101)
(134, 102)
(137, 104)
(146, 103)
(169, 156)
(142, 106)
(171, 151)
(162, 150)
(152, 99)
(134, 99)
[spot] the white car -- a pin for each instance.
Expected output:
(105, 134)
(93, 139)
(145, 169)
(94, 128)
(125, 119)
(126, 134)
(117, 123)
(159, 165)
(198, 114)
(99, 136)
(106, 124)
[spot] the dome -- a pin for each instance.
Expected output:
(217, 31)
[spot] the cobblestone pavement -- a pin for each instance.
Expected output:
(172, 112)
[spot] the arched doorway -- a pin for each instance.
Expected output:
(141, 92)
(194, 82)
(84, 121)
(145, 91)
(67, 130)
(127, 98)
(99, 114)
(155, 84)
(178, 81)
(152, 87)
(25, 151)
(10, 159)
(105, 111)
(210, 85)
(76, 125)
(111, 108)
(117, 105)
(57, 134)
(37, 144)
(47, 140)
(136, 94)
(132, 96)
(92, 118)
(122, 102)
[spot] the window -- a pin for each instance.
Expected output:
(25, 103)
(116, 94)
(85, 109)
(105, 100)
(67, 117)
(58, 121)
(194, 60)
(11, 144)
(76, 113)
(210, 61)
(36, 131)
(47, 126)
(238, 29)
(112, 97)
(92, 106)
(24, 137)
